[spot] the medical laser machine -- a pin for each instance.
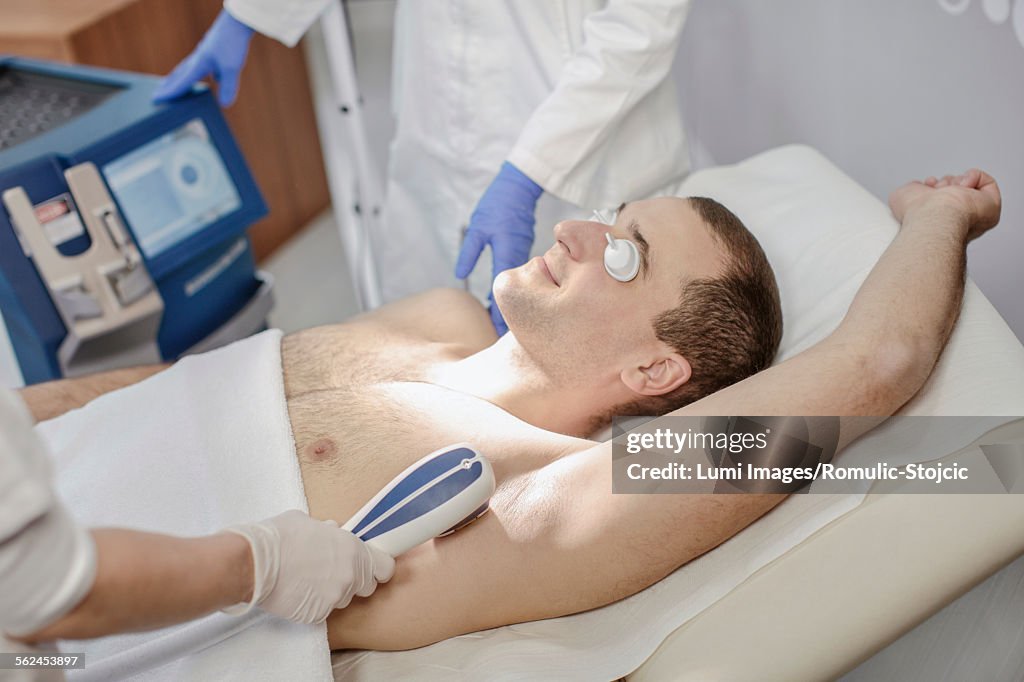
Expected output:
(122, 223)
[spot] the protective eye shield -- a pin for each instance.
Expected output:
(621, 256)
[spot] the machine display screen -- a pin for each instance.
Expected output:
(172, 187)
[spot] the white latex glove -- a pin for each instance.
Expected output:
(303, 568)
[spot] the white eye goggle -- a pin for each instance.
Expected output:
(621, 257)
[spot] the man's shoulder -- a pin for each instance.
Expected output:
(444, 315)
(449, 297)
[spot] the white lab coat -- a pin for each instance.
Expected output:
(575, 93)
(47, 562)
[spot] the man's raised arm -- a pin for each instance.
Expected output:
(899, 321)
(558, 541)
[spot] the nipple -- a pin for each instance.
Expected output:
(621, 258)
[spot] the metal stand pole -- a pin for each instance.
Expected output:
(354, 180)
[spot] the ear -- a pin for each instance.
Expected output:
(667, 373)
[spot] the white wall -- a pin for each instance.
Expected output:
(889, 90)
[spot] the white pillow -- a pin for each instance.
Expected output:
(822, 232)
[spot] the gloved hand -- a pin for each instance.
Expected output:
(304, 568)
(221, 54)
(503, 219)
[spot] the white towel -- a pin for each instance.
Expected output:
(202, 445)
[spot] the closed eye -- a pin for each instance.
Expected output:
(644, 247)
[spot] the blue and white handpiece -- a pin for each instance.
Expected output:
(438, 495)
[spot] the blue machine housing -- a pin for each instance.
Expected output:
(204, 277)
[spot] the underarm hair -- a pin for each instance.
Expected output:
(54, 398)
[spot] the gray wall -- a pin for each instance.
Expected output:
(890, 90)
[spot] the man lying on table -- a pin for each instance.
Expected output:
(691, 334)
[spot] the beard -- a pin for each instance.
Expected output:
(520, 305)
(569, 351)
(533, 314)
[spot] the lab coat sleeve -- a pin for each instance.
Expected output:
(283, 20)
(627, 53)
(47, 562)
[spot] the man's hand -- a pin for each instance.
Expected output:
(973, 196)
(303, 568)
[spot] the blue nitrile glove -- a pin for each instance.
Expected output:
(503, 219)
(221, 54)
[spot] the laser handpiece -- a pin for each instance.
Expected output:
(441, 493)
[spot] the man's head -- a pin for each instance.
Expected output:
(702, 314)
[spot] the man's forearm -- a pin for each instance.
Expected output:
(909, 303)
(54, 398)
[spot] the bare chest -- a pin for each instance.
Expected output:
(361, 412)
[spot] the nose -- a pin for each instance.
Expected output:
(584, 239)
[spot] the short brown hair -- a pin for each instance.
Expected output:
(728, 327)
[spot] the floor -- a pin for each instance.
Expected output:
(312, 281)
(980, 636)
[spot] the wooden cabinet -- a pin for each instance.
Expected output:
(273, 118)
